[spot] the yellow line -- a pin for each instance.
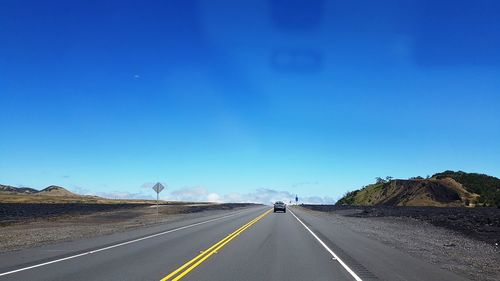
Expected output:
(215, 250)
(203, 253)
(210, 251)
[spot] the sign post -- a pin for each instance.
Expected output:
(158, 187)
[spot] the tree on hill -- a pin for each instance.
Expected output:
(487, 187)
(348, 198)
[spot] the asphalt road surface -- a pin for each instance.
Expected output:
(251, 244)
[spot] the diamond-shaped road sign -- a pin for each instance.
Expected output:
(158, 187)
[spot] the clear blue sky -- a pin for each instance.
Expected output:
(239, 98)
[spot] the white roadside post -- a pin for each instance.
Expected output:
(158, 187)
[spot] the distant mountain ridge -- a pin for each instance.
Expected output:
(8, 188)
(52, 190)
(57, 195)
(444, 189)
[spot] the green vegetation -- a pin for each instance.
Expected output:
(348, 198)
(487, 187)
(366, 194)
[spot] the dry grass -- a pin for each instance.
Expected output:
(38, 198)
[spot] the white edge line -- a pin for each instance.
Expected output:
(329, 250)
(117, 245)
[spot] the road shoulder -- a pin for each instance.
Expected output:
(376, 257)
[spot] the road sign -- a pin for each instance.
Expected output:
(158, 187)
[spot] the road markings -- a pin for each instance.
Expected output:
(204, 255)
(117, 245)
(353, 274)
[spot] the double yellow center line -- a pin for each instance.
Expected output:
(196, 261)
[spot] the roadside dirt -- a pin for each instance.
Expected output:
(431, 234)
(478, 223)
(29, 225)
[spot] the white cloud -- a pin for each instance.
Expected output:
(123, 195)
(261, 195)
(113, 194)
(193, 194)
(201, 194)
(269, 196)
(213, 197)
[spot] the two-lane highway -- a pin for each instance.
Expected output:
(253, 244)
(277, 248)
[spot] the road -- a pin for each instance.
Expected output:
(250, 244)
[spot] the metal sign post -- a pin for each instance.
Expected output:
(158, 187)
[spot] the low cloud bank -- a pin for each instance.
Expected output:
(194, 194)
(113, 194)
(201, 194)
(125, 195)
(261, 195)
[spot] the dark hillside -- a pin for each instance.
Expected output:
(487, 187)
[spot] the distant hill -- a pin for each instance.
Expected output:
(443, 189)
(19, 190)
(54, 190)
(25, 194)
(57, 194)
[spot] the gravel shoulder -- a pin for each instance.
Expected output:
(31, 226)
(451, 250)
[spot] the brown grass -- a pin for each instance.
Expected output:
(38, 198)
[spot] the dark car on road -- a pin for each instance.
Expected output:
(279, 206)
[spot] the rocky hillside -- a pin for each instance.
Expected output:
(441, 190)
